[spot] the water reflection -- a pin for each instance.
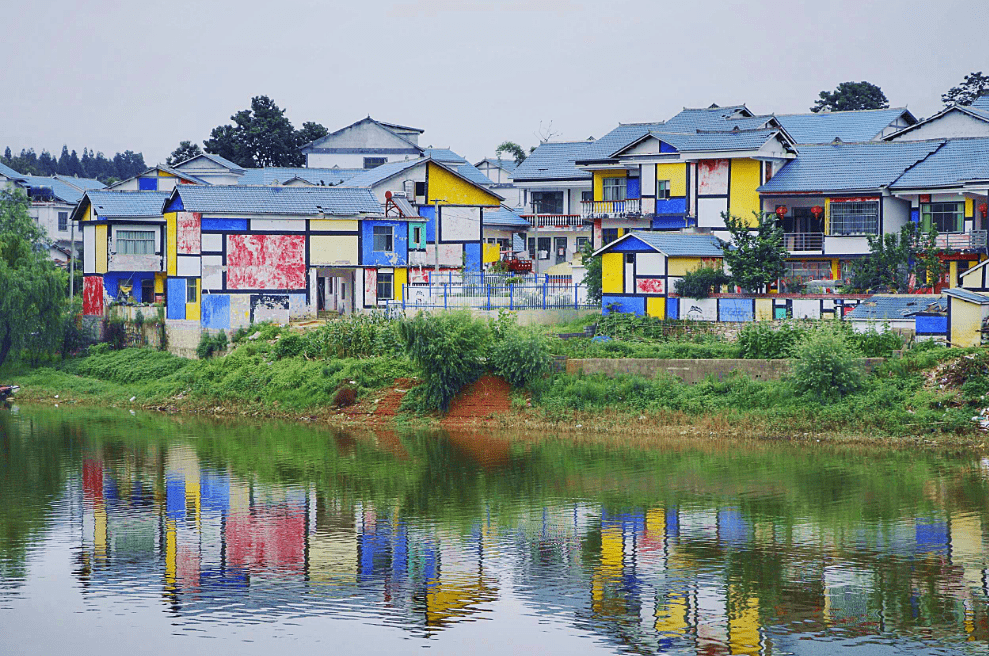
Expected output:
(684, 548)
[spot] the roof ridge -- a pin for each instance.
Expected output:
(843, 111)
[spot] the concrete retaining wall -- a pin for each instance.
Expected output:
(547, 317)
(690, 371)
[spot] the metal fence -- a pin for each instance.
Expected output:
(494, 296)
(488, 278)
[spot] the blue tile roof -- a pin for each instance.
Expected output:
(298, 201)
(10, 173)
(884, 307)
(953, 163)
(505, 218)
(223, 161)
(717, 141)
(280, 174)
(615, 140)
(371, 177)
(823, 127)
(982, 102)
(81, 183)
(677, 244)
(555, 161)
(968, 295)
(713, 118)
(445, 155)
(504, 164)
(459, 164)
(848, 167)
(127, 204)
(471, 172)
(61, 190)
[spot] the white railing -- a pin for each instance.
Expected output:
(555, 220)
(962, 241)
(804, 241)
(610, 209)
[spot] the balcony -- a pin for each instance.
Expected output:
(797, 242)
(573, 221)
(962, 241)
(611, 209)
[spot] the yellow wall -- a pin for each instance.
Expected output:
(676, 174)
(492, 253)
(952, 274)
(764, 309)
(160, 283)
(171, 243)
(401, 278)
(599, 185)
(677, 266)
(164, 174)
(656, 307)
(969, 205)
(453, 190)
(827, 216)
(743, 199)
(101, 258)
(337, 226)
(192, 310)
(966, 323)
(332, 249)
(612, 273)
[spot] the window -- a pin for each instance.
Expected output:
(383, 239)
(190, 290)
(854, 218)
(586, 196)
(386, 286)
(581, 241)
(608, 235)
(662, 189)
(374, 162)
(614, 188)
(808, 270)
(343, 291)
(420, 189)
(147, 290)
(547, 202)
(417, 236)
(136, 242)
(63, 221)
(629, 258)
(944, 217)
(545, 243)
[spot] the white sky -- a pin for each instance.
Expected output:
(115, 75)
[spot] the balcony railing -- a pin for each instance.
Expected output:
(962, 241)
(610, 209)
(555, 220)
(804, 241)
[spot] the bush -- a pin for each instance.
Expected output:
(209, 346)
(762, 340)
(520, 356)
(876, 344)
(345, 396)
(114, 333)
(701, 282)
(289, 346)
(825, 365)
(449, 351)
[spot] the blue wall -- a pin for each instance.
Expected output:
(215, 311)
(915, 216)
(429, 213)
(176, 298)
(671, 206)
(632, 188)
(629, 304)
(472, 253)
(632, 245)
(931, 325)
(147, 184)
(224, 224)
(672, 308)
(112, 279)
(736, 309)
(400, 243)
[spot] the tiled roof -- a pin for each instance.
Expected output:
(61, 190)
(717, 141)
(615, 140)
(445, 155)
(505, 218)
(982, 102)
(309, 201)
(81, 183)
(504, 164)
(968, 295)
(371, 177)
(824, 127)
(956, 161)
(883, 307)
(711, 118)
(458, 163)
(471, 172)
(223, 161)
(847, 167)
(127, 204)
(8, 172)
(677, 244)
(280, 174)
(555, 161)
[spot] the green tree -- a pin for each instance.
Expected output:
(185, 150)
(825, 365)
(310, 132)
(973, 86)
(592, 272)
(895, 258)
(851, 96)
(512, 149)
(701, 282)
(758, 255)
(260, 136)
(32, 288)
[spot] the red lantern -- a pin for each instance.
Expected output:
(781, 211)
(983, 208)
(817, 211)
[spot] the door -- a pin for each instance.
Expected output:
(561, 249)
(320, 294)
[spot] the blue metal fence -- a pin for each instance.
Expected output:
(494, 296)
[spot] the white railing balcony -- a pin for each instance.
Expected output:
(962, 241)
(797, 242)
(555, 220)
(611, 209)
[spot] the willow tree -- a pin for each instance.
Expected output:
(32, 288)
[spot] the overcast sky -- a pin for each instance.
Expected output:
(115, 75)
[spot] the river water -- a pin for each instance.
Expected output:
(123, 534)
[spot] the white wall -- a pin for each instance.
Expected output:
(952, 124)
(896, 214)
(350, 161)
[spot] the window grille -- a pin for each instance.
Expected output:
(135, 242)
(849, 218)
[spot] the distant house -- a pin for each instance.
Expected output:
(52, 201)
(364, 145)
(862, 125)
(211, 169)
(639, 271)
(952, 122)
(157, 178)
(501, 172)
(9, 177)
(283, 175)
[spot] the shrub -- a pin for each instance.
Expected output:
(114, 333)
(877, 344)
(520, 356)
(762, 340)
(220, 342)
(701, 282)
(289, 346)
(345, 396)
(825, 365)
(448, 349)
(205, 347)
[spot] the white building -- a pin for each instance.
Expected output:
(364, 145)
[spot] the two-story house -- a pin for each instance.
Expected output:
(956, 121)
(364, 145)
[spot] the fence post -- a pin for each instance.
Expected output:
(489, 296)
(405, 292)
(444, 296)
(511, 296)
(545, 288)
(576, 304)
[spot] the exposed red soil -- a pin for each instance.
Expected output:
(482, 400)
(383, 408)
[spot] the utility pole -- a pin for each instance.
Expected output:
(535, 231)
(72, 260)
(436, 239)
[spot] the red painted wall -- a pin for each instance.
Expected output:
(92, 295)
(266, 262)
(187, 227)
(649, 285)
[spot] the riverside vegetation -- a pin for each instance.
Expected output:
(269, 370)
